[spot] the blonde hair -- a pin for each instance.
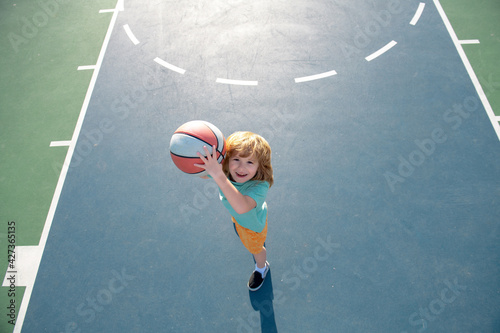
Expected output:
(246, 144)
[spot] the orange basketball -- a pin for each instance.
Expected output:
(189, 139)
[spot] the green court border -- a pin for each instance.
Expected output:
(479, 20)
(43, 43)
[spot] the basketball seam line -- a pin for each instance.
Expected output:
(217, 137)
(195, 137)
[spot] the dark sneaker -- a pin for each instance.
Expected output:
(257, 280)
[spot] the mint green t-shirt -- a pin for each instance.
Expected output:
(255, 219)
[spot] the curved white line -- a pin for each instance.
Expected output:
(237, 82)
(130, 34)
(169, 66)
(418, 13)
(315, 77)
(384, 49)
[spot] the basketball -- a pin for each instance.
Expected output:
(189, 139)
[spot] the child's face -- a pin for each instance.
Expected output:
(243, 169)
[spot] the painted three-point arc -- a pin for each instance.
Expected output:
(302, 79)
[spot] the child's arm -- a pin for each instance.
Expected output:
(240, 203)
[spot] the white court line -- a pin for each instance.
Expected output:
(468, 67)
(130, 34)
(418, 13)
(237, 82)
(60, 144)
(315, 77)
(25, 258)
(381, 51)
(169, 66)
(469, 41)
(84, 68)
(62, 176)
(119, 7)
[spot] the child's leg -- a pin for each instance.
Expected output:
(254, 242)
(260, 258)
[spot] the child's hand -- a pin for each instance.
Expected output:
(211, 165)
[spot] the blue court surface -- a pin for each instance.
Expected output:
(384, 216)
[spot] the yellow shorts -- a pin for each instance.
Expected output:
(253, 241)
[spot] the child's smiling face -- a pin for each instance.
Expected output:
(243, 169)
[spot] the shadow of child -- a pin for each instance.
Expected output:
(262, 301)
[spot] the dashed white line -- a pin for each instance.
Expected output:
(169, 66)
(84, 68)
(315, 77)
(130, 34)
(60, 143)
(418, 13)
(384, 49)
(237, 82)
(469, 41)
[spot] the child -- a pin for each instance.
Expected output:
(244, 179)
